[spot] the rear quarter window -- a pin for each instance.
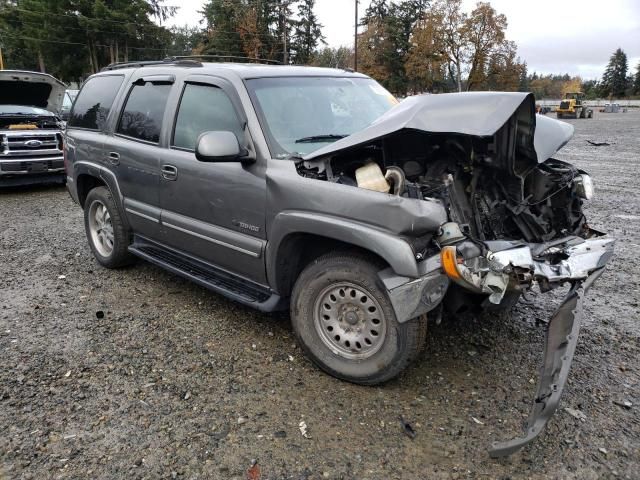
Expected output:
(94, 102)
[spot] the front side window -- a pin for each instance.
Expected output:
(94, 102)
(204, 108)
(142, 114)
(303, 114)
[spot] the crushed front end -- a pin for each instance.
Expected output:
(515, 218)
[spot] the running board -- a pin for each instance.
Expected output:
(208, 276)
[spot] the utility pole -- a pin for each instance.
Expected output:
(283, 6)
(355, 42)
(1, 59)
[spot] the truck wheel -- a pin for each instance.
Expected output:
(345, 323)
(583, 113)
(108, 237)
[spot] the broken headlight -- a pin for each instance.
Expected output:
(584, 186)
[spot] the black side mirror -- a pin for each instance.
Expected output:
(219, 146)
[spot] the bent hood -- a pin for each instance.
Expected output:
(31, 89)
(479, 114)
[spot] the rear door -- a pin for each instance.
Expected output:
(214, 211)
(85, 132)
(134, 151)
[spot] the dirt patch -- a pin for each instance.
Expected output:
(136, 373)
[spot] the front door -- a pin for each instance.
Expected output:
(213, 211)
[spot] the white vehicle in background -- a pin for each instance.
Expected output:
(30, 130)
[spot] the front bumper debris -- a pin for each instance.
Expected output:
(561, 340)
(516, 266)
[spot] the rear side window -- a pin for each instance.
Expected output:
(94, 102)
(142, 114)
(204, 108)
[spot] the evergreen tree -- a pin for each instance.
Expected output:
(307, 33)
(73, 38)
(523, 86)
(614, 80)
(636, 82)
(384, 45)
(223, 24)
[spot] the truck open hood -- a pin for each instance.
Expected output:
(31, 89)
(473, 113)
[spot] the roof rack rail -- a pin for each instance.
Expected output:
(228, 58)
(166, 61)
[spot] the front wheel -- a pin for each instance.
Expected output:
(343, 319)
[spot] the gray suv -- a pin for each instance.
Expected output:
(314, 190)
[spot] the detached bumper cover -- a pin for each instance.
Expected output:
(562, 338)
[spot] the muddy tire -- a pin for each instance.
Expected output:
(107, 235)
(344, 321)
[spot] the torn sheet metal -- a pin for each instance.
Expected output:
(479, 114)
(561, 340)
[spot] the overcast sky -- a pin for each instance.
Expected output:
(553, 36)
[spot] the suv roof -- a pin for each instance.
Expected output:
(245, 70)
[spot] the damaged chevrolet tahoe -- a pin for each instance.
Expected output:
(30, 130)
(315, 190)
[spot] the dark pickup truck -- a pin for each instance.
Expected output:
(314, 190)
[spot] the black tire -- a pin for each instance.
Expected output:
(398, 346)
(118, 255)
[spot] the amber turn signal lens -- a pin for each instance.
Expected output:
(449, 259)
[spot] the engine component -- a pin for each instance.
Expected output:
(395, 176)
(449, 234)
(370, 177)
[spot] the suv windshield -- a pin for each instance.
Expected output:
(302, 114)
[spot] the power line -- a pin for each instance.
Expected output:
(84, 17)
(22, 37)
(33, 39)
(122, 34)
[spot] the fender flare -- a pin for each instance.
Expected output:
(109, 179)
(393, 249)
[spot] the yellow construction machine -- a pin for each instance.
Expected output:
(574, 106)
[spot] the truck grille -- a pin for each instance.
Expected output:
(564, 105)
(32, 166)
(18, 145)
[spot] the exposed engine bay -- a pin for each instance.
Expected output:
(537, 203)
(28, 123)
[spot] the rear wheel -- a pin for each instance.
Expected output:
(344, 321)
(108, 237)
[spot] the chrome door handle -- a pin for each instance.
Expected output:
(114, 158)
(169, 172)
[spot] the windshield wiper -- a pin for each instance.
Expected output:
(321, 138)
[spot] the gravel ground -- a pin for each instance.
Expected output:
(136, 373)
